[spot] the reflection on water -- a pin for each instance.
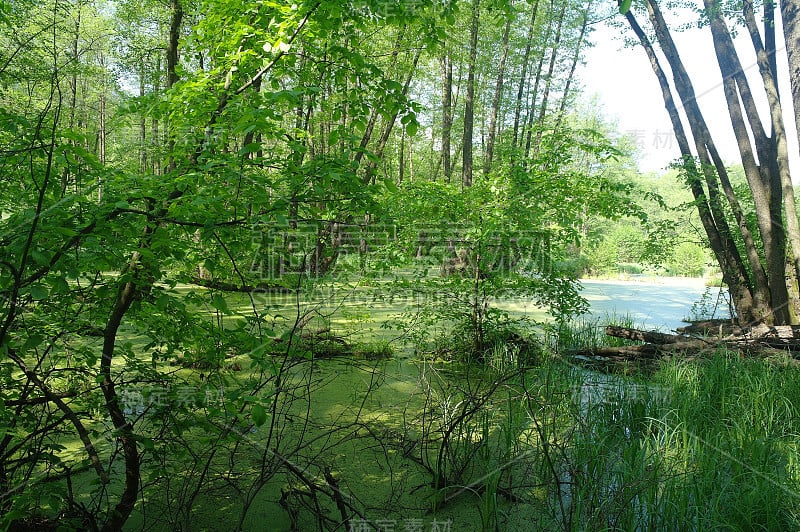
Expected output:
(653, 305)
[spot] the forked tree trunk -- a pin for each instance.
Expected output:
(764, 178)
(734, 273)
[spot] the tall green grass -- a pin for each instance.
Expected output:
(706, 445)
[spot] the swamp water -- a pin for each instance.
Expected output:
(657, 304)
(398, 408)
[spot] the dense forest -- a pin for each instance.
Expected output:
(261, 266)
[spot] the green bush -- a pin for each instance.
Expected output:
(688, 260)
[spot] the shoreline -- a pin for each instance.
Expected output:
(651, 279)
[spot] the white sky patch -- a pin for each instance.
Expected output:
(626, 88)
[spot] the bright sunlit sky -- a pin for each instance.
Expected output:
(627, 90)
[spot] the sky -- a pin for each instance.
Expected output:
(627, 91)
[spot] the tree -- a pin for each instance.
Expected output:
(169, 164)
(755, 273)
(83, 277)
(469, 102)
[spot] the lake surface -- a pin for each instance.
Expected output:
(660, 304)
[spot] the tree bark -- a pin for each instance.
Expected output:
(765, 56)
(498, 94)
(524, 75)
(790, 16)
(548, 80)
(172, 44)
(764, 184)
(447, 113)
(469, 101)
(575, 57)
(734, 273)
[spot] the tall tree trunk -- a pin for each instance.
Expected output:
(156, 135)
(138, 283)
(401, 169)
(73, 88)
(447, 113)
(765, 185)
(733, 271)
(549, 78)
(373, 118)
(534, 92)
(575, 58)
(758, 285)
(172, 44)
(790, 17)
(391, 121)
(142, 126)
(496, 99)
(469, 102)
(524, 75)
(765, 56)
(531, 111)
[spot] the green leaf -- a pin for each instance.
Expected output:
(253, 147)
(59, 285)
(33, 341)
(625, 6)
(162, 303)
(41, 258)
(411, 128)
(39, 292)
(390, 186)
(259, 415)
(219, 303)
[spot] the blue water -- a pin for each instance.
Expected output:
(652, 304)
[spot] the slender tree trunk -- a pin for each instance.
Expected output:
(575, 58)
(719, 236)
(496, 99)
(172, 45)
(469, 102)
(447, 113)
(401, 159)
(125, 296)
(531, 110)
(765, 56)
(158, 137)
(373, 118)
(534, 92)
(765, 185)
(101, 148)
(524, 75)
(142, 127)
(391, 121)
(549, 78)
(790, 17)
(73, 89)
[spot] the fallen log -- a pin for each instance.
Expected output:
(644, 351)
(717, 327)
(762, 339)
(786, 336)
(643, 336)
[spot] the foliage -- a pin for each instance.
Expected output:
(688, 260)
(170, 169)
